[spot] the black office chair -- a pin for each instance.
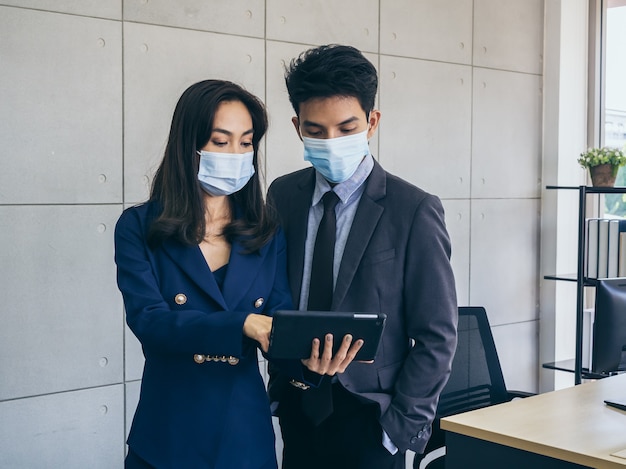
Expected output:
(476, 381)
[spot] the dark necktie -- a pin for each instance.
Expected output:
(317, 403)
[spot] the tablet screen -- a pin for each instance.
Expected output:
(293, 332)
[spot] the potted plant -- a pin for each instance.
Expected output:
(603, 164)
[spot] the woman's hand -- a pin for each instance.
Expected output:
(327, 364)
(258, 327)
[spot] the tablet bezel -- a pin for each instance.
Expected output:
(293, 332)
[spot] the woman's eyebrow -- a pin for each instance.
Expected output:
(229, 133)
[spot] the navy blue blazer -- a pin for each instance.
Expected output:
(396, 261)
(213, 414)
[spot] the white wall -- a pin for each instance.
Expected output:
(87, 91)
(565, 135)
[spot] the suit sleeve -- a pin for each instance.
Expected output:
(282, 371)
(274, 202)
(431, 317)
(158, 328)
(280, 297)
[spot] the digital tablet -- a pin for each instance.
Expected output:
(617, 403)
(293, 332)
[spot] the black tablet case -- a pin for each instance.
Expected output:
(293, 332)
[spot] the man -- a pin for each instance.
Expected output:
(391, 255)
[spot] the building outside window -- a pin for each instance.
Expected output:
(615, 95)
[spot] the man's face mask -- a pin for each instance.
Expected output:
(336, 158)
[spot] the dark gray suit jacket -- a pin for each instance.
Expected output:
(396, 261)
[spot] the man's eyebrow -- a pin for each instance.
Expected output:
(308, 123)
(311, 124)
(349, 120)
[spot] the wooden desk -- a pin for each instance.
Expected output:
(567, 428)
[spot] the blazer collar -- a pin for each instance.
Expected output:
(366, 218)
(296, 230)
(241, 273)
(190, 260)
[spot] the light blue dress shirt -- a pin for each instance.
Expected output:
(349, 193)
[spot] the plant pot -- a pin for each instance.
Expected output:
(603, 175)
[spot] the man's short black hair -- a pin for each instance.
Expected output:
(331, 70)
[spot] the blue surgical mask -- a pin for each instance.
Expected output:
(336, 158)
(224, 173)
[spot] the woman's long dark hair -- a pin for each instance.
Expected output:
(176, 189)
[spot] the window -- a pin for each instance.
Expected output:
(614, 80)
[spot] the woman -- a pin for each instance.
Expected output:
(200, 267)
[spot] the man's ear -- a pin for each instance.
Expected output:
(373, 121)
(296, 123)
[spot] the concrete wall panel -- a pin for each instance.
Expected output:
(72, 430)
(425, 129)
(62, 322)
(284, 148)
(518, 352)
(508, 35)
(424, 29)
(61, 113)
(111, 9)
(243, 17)
(458, 225)
(132, 390)
(506, 137)
(353, 22)
(504, 263)
(134, 359)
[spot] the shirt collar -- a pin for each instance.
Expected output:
(347, 188)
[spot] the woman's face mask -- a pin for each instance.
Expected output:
(224, 173)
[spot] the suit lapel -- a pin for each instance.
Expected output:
(366, 218)
(295, 227)
(242, 270)
(191, 261)
(241, 273)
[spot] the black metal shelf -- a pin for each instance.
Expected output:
(569, 366)
(587, 282)
(592, 190)
(578, 277)
(562, 277)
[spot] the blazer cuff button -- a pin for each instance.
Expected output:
(299, 385)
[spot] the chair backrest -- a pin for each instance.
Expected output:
(476, 379)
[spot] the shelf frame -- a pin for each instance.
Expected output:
(581, 281)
